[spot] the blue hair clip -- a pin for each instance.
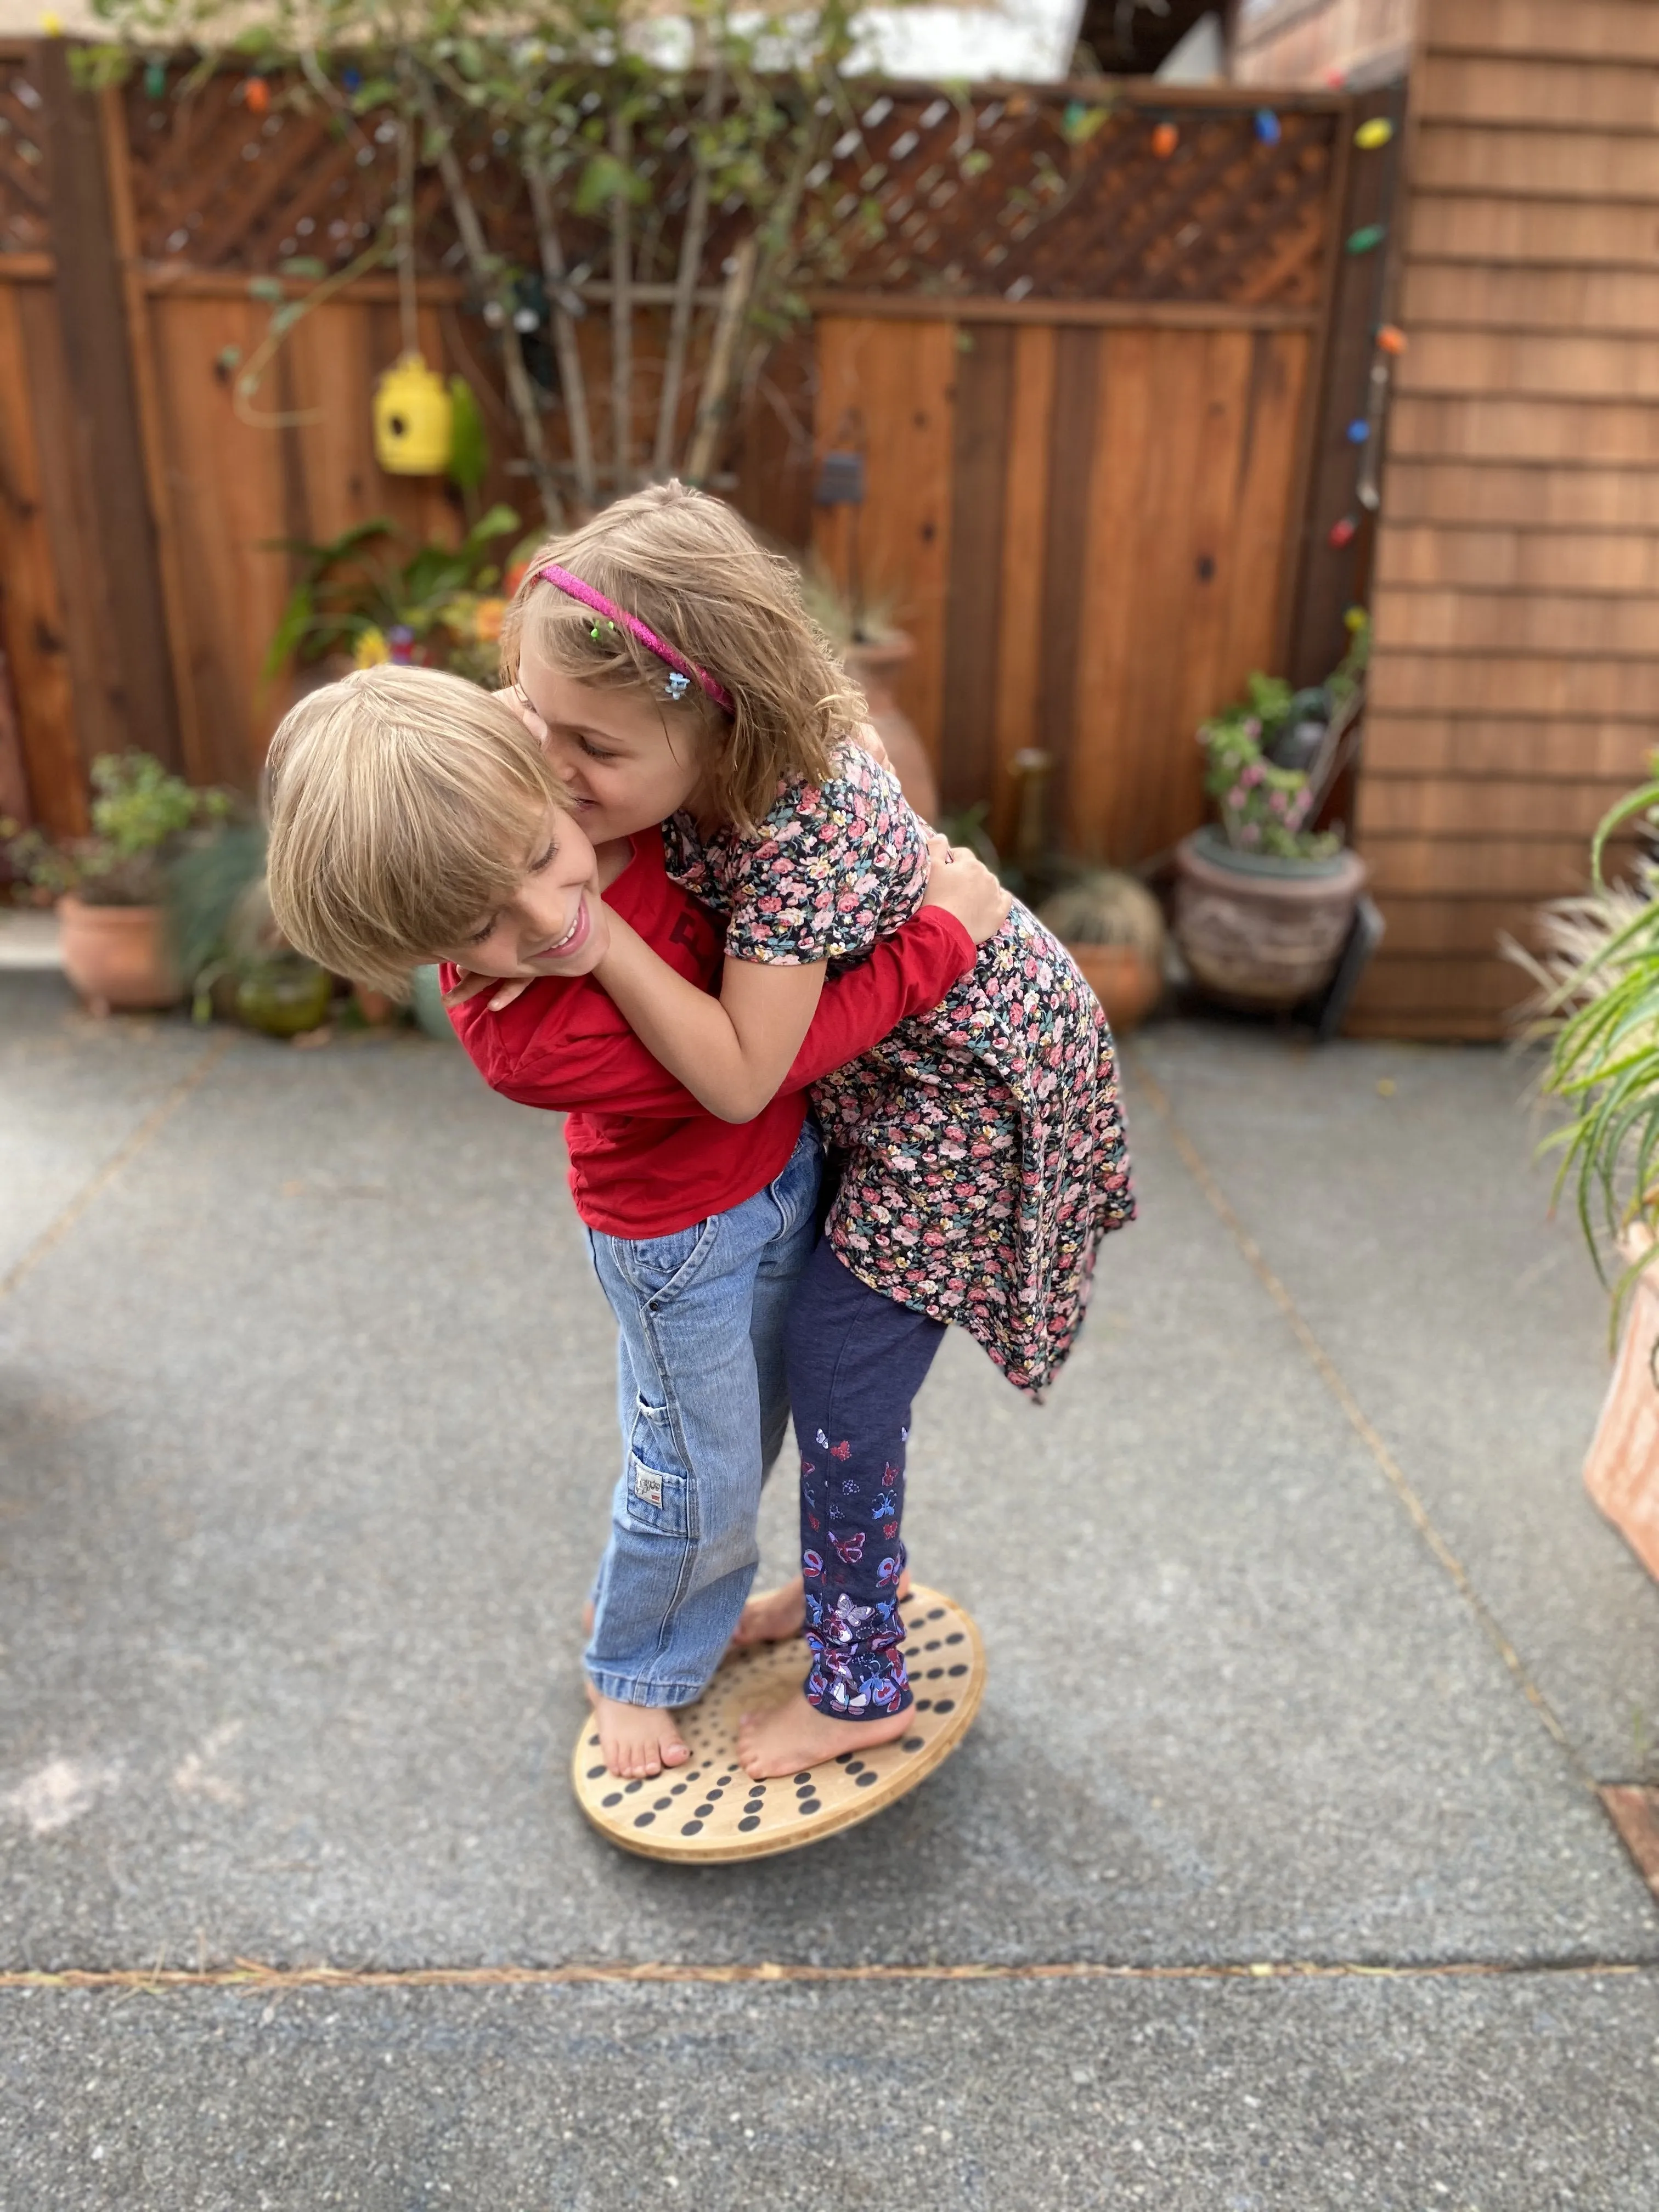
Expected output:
(677, 687)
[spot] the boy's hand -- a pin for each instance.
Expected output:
(959, 881)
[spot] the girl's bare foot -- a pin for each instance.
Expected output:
(776, 1615)
(797, 1734)
(772, 1617)
(637, 1740)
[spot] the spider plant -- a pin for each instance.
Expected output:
(1600, 1013)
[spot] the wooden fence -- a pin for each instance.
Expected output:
(1517, 674)
(1093, 439)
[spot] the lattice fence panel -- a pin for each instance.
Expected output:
(1030, 212)
(24, 203)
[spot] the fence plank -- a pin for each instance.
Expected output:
(984, 395)
(1021, 645)
(1447, 927)
(228, 497)
(87, 292)
(1073, 453)
(887, 387)
(35, 639)
(1494, 988)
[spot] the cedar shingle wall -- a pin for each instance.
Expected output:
(1515, 687)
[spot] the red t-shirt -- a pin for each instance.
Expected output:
(645, 1159)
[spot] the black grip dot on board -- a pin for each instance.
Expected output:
(753, 1821)
(594, 1772)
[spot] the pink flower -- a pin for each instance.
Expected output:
(1237, 797)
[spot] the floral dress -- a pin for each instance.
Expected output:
(982, 1145)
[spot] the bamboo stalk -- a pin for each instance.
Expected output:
(691, 245)
(486, 268)
(717, 375)
(621, 309)
(573, 381)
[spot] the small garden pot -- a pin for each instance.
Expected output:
(1261, 933)
(1622, 1471)
(284, 998)
(875, 668)
(119, 956)
(1126, 983)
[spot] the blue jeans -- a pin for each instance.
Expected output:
(703, 1404)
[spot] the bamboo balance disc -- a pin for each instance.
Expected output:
(709, 1810)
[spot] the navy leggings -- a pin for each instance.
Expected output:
(856, 1360)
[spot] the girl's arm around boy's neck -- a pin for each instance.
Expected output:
(731, 1052)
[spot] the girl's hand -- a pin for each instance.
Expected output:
(959, 881)
(525, 712)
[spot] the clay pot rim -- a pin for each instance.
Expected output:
(1287, 884)
(1209, 844)
(71, 908)
(879, 655)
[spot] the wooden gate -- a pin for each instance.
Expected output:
(1088, 377)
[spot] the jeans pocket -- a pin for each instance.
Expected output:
(657, 1268)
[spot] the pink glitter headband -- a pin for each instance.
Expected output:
(686, 672)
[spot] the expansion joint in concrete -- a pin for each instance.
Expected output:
(1358, 1420)
(153, 1123)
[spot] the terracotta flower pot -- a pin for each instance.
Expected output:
(1260, 932)
(1126, 983)
(1622, 1471)
(119, 956)
(875, 668)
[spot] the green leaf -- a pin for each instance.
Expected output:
(469, 444)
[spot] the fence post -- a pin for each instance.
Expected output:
(93, 324)
(1329, 579)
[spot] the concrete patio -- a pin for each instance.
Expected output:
(1272, 1876)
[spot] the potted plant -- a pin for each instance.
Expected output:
(111, 888)
(1113, 927)
(356, 602)
(1264, 903)
(874, 651)
(1600, 1013)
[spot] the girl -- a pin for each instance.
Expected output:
(981, 1147)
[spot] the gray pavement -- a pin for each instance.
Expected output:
(307, 1436)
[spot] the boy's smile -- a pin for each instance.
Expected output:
(548, 928)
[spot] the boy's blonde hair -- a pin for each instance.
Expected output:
(403, 806)
(690, 569)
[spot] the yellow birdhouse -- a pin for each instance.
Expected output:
(414, 419)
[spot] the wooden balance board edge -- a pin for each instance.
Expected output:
(709, 1811)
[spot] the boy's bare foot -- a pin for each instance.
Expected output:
(797, 1734)
(776, 1615)
(637, 1740)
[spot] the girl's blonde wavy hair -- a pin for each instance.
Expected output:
(404, 804)
(690, 569)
